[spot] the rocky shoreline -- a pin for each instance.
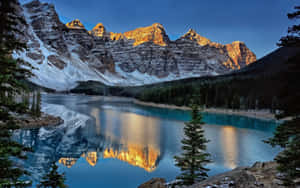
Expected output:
(259, 114)
(27, 121)
(261, 174)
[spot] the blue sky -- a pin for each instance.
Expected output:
(258, 23)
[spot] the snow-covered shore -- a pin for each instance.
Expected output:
(259, 114)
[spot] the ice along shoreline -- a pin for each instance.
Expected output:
(258, 114)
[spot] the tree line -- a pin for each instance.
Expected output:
(15, 100)
(236, 93)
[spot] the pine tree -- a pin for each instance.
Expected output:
(38, 104)
(274, 104)
(9, 173)
(26, 100)
(33, 105)
(235, 103)
(53, 179)
(194, 156)
(287, 135)
(10, 75)
(293, 37)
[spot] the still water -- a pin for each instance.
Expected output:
(112, 144)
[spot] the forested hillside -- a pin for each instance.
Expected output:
(258, 86)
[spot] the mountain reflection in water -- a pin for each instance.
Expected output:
(132, 144)
(136, 138)
(129, 137)
(136, 155)
(229, 146)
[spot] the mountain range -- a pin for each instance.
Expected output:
(64, 54)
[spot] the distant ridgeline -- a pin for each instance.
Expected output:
(258, 86)
(66, 53)
(110, 63)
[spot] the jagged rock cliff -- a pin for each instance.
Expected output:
(66, 53)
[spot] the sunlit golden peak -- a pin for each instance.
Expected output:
(99, 31)
(158, 25)
(75, 24)
(154, 33)
(116, 36)
(235, 51)
(237, 42)
(192, 32)
(99, 25)
(194, 36)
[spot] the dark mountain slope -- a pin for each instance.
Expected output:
(271, 63)
(257, 86)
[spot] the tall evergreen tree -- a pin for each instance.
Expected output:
(33, 105)
(287, 135)
(53, 179)
(38, 104)
(293, 37)
(10, 75)
(194, 156)
(9, 173)
(26, 100)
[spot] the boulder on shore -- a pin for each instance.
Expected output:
(261, 174)
(27, 121)
(154, 183)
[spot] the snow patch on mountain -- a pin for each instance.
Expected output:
(63, 56)
(50, 76)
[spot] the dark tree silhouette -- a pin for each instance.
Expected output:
(38, 104)
(293, 37)
(287, 135)
(53, 179)
(194, 156)
(10, 75)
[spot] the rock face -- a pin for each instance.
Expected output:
(67, 53)
(46, 25)
(99, 31)
(56, 61)
(75, 24)
(239, 54)
(154, 183)
(154, 33)
(261, 174)
(192, 35)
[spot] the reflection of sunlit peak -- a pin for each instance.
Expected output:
(136, 156)
(67, 161)
(91, 157)
(229, 142)
(228, 127)
(95, 114)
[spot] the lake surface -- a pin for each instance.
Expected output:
(112, 144)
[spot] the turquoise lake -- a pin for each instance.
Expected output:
(112, 144)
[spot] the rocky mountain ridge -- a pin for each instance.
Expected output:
(66, 53)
